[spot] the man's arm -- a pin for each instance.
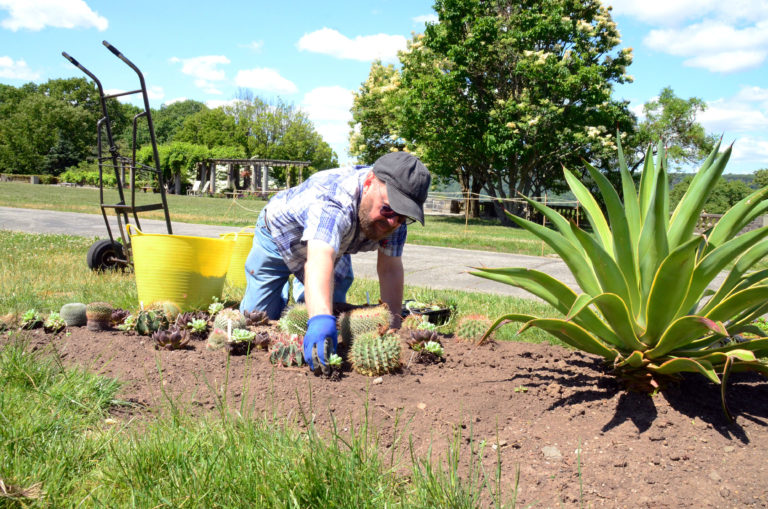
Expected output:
(318, 278)
(391, 280)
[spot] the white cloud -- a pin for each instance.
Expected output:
(746, 111)
(218, 103)
(38, 14)
(666, 12)
(751, 151)
(329, 110)
(256, 46)
(156, 93)
(714, 45)
(363, 48)
(204, 67)
(427, 18)
(175, 100)
(16, 70)
(268, 80)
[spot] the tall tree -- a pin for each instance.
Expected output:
(374, 115)
(501, 94)
(673, 120)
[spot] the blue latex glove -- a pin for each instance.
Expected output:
(320, 327)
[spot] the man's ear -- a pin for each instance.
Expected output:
(368, 179)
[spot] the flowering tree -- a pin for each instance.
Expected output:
(499, 94)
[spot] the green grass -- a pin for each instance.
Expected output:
(59, 448)
(450, 231)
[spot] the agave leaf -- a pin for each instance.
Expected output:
(689, 209)
(682, 332)
(739, 216)
(740, 354)
(608, 273)
(738, 302)
(592, 209)
(682, 364)
(623, 243)
(542, 285)
(574, 335)
(580, 266)
(617, 315)
(653, 246)
(635, 360)
(511, 317)
(647, 184)
(669, 288)
(744, 263)
(760, 367)
(631, 207)
(711, 265)
(554, 217)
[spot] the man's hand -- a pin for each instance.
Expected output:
(319, 328)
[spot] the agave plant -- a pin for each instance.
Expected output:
(644, 275)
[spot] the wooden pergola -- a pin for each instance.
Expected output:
(259, 169)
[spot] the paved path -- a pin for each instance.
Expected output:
(428, 266)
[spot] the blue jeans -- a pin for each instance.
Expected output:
(266, 275)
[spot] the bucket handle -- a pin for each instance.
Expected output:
(128, 228)
(239, 232)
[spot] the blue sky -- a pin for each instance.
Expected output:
(315, 54)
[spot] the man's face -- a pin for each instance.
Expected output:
(374, 225)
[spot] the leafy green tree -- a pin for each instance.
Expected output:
(761, 178)
(673, 120)
(724, 195)
(501, 94)
(46, 128)
(374, 115)
(213, 128)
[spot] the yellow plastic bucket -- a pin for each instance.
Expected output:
(243, 242)
(189, 271)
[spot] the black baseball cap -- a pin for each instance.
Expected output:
(407, 182)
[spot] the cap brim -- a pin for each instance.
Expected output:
(403, 205)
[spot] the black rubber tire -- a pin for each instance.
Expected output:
(103, 255)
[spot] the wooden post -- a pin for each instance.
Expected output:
(213, 178)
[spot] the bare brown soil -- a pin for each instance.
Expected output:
(576, 436)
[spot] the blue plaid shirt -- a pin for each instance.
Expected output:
(325, 207)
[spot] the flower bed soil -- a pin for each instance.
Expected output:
(538, 404)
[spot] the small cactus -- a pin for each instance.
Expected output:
(217, 339)
(74, 314)
(99, 316)
(31, 319)
(54, 323)
(362, 320)
(412, 321)
(197, 328)
(170, 309)
(256, 318)
(294, 320)
(171, 339)
(151, 320)
(215, 307)
(373, 354)
(129, 324)
(287, 350)
(472, 327)
(225, 316)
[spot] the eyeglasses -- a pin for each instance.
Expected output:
(387, 212)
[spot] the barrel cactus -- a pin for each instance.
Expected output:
(229, 319)
(217, 339)
(294, 320)
(374, 354)
(151, 320)
(74, 314)
(472, 327)
(99, 315)
(362, 320)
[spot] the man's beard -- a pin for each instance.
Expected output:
(367, 226)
